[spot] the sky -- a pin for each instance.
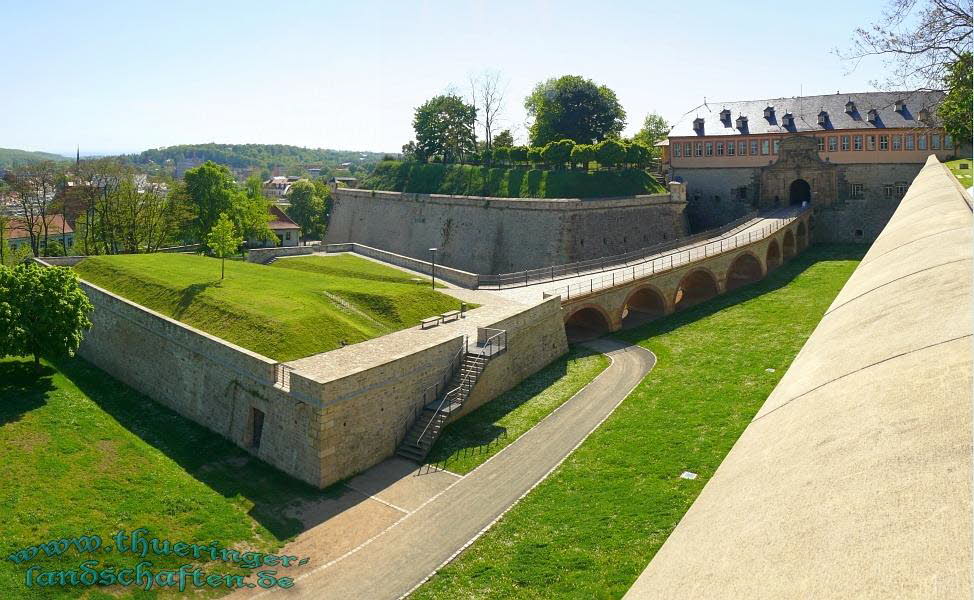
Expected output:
(116, 77)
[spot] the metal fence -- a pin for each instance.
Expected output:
(667, 262)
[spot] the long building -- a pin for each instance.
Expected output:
(852, 156)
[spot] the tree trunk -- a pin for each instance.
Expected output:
(222, 263)
(37, 363)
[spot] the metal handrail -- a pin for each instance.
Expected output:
(523, 278)
(719, 246)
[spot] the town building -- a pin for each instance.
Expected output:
(287, 231)
(17, 232)
(277, 187)
(851, 156)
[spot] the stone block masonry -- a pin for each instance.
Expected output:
(503, 235)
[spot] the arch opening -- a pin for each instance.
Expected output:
(586, 324)
(643, 306)
(773, 258)
(698, 286)
(801, 236)
(744, 270)
(788, 245)
(799, 192)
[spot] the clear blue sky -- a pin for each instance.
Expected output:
(125, 76)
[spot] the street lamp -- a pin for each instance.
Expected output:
(433, 268)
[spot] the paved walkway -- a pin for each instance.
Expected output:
(403, 555)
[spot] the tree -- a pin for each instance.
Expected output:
(4, 224)
(655, 129)
(583, 154)
(534, 155)
(519, 154)
(574, 108)
(444, 126)
(223, 240)
(955, 110)
(502, 154)
(212, 192)
(487, 99)
(610, 153)
(43, 312)
(503, 139)
(35, 186)
(557, 153)
(638, 155)
(307, 207)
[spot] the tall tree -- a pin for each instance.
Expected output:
(504, 139)
(655, 129)
(487, 96)
(955, 111)
(575, 108)
(212, 191)
(35, 186)
(307, 207)
(445, 127)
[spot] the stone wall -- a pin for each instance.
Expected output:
(503, 235)
(712, 195)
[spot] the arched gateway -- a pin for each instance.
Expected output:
(799, 192)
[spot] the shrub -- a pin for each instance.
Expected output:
(583, 154)
(519, 154)
(534, 155)
(502, 155)
(557, 153)
(610, 153)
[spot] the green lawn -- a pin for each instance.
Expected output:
(590, 529)
(473, 439)
(964, 176)
(293, 308)
(84, 454)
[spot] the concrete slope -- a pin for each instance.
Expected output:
(854, 479)
(393, 563)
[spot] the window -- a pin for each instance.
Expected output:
(699, 151)
(821, 144)
(857, 190)
(901, 189)
(897, 142)
(888, 190)
(742, 148)
(935, 141)
(710, 149)
(676, 150)
(922, 142)
(884, 142)
(857, 142)
(765, 147)
(845, 143)
(870, 142)
(257, 426)
(687, 150)
(720, 148)
(754, 147)
(731, 146)
(775, 146)
(948, 141)
(287, 235)
(833, 143)
(908, 142)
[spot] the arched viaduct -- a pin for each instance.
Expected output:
(659, 294)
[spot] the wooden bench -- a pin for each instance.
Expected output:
(430, 322)
(452, 315)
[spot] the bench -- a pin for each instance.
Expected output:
(430, 322)
(452, 315)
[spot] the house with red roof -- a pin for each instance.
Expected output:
(286, 230)
(17, 232)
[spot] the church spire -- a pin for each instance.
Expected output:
(77, 157)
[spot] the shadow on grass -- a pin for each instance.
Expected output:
(22, 389)
(778, 278)
(189, 294)
(205, 455)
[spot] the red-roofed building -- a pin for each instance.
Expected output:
(287, 231)
(16, 232)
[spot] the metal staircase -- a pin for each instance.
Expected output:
(428, 425)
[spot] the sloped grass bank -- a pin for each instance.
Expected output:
(590, 529)
(965, 174)
(293, 308)
(466, 180)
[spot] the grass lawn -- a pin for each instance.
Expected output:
(293, 308)
(83, 454)
(467, 443)
(590, 529)
(964, 175)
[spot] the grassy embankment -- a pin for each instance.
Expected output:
(466, 180)
(964, 175)
(594, 524)
(292, 308)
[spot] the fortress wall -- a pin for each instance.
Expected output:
(203, 378)
(502, 235)
(854, 478)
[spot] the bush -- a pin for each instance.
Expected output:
(610, 153)
(638, 155)
(583, 154)
(519, 154)
(534, 155)
(557, 153)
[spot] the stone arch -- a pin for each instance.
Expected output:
(587, 322)
(699, 285)
(801, 236)
(799, 192)
(746, 268)
(643, 305)
(773, 257)
(788, 244)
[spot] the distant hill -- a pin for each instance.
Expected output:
(10, 157)
(263, 156)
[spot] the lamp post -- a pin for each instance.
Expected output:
(433, 268)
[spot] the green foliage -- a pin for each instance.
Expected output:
(583, 154)
(43, 312)
(212, 192)
(307, 208)
(575, 108)
(955, 111)
(558, 153)
(10, 157)
(223, 240)
(638, 155)
(502, 155)
(655, 129)
(610, 153)
(444, 127)
(534, 155)
(258, 156)
(466, 180)
(504, 139)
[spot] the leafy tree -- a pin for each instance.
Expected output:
(610, 153)
(223, 240)
(655, 129)
(43, 312)
(504, 139)
(638, 155)
(534, 155)
(557, 153)
(444, 126)
(212, 192)
(307, 208)
(955, 110)
(575, 108)
(519, 154)
(502, 154)
(583, 154)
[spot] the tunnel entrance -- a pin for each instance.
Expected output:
(799, 192)
(698, 286)
(643, 306)
(586, 324)
(789, 244)
(773, 258)
(744, 270)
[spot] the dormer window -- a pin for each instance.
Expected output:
(788, 120)
(873, 115)
(698, 124)
(900, 106)
(725, 116)
(823, 118)
(769, 112)
(742, 123)
(924, 114)
(850, 107)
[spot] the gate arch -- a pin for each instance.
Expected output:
(587, 322)
(643, 305)
(745, 269)
(696, 286)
